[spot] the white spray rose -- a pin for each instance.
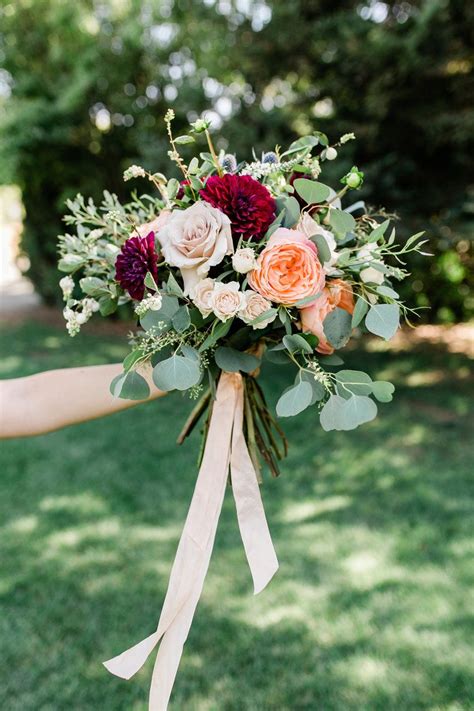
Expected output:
(201, 295)
(194, 240)
(244, 260)
(371, 275)
(254, 305)
(226, 299)
(310, 228)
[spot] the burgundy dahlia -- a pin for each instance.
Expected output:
(137, 257)
(246, 202)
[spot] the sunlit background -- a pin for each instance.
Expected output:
(371, 609)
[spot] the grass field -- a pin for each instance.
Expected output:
(370, 609)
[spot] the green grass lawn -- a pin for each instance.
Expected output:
(370, 607)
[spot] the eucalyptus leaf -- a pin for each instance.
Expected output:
(360, 310)
(324, 253)
(172, 286)
(292, 212)
(337, 327)
(294, 400)
(107, 305)
(383, 390)
(92, 286)
(331, 359)
(331, 414)
(387, 291)
(311, 191)
(181, 319)
(353, 381)
(383, 320)
(231, 360)
(176, 373)
(318, 389)
(342, 222)
(130, 386)
(150, 282)
(296, 344)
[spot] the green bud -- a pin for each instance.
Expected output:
(354, 178)
(200, 125)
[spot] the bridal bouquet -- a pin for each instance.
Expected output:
(235, 263)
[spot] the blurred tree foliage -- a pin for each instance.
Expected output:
(84, 86)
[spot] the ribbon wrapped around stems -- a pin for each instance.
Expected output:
(225, 446)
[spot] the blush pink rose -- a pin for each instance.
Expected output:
(288, 269)
(337, 293)
(155, 225)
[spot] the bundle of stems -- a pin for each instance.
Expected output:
(265, 439)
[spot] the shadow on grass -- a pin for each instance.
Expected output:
(369, 609)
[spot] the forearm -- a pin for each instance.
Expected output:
(48, 401)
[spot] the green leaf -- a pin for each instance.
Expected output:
(342, 222)
(277, 356)
(231, 360)
(190, 352)
(379, 231)
(383, 320)
(183, 140)
(130, 386)
(387, 291)
(172, 286)
(181, 319)
(318, 389)
(353, 381)
(383, 390)
(150, 282)
(303, 144)
(292, 212)
(307, 300)
(176, 373)
(294, 400)
(360, 310)
(270, 313)
(219, 330)
(92, 286)
(169, 306)
(71, 264)
(324, 253)
(276, 223)
(332, 359)
(341, 414)
(311, 191)
(107, 305)
(131, 359)
(330, 416)
(296, 344)
(337, 327)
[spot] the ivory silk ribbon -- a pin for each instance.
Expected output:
(225, 446)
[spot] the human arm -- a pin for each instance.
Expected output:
(47, 401)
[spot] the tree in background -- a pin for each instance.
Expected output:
(85, 86)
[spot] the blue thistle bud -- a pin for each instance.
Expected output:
(229, 163)
(270, 157)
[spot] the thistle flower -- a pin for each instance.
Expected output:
(229, 163)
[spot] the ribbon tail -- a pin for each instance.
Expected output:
(192, 557)
(253, 525)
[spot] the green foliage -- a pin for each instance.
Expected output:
(90, 84)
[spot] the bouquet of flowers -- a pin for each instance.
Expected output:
(235, 263)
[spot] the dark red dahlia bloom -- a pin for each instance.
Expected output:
(137, 257)
(246, 202)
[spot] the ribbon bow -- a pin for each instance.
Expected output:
(225, 445)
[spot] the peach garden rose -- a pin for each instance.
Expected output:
(288, 269)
